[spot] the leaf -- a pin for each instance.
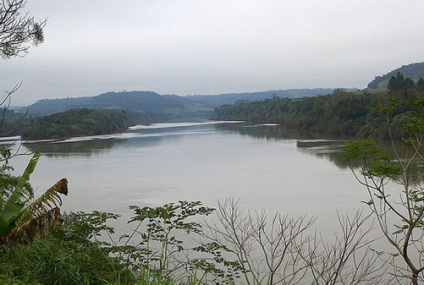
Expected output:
(28, 230)
(369, 203)
(18, 199)
(33, 218)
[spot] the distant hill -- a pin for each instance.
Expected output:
(231, 98)
(135, 100)
(171, 105)
(413, 71)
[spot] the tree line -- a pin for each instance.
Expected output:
(84, 122)
(340, 114)
(413, 70)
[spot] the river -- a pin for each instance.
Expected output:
(152, 165)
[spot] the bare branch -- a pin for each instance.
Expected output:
(17, 30)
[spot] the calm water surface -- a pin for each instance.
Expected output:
(209, 162)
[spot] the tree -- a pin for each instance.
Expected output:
(394, 182)
(22, 216)
(399, 82)
(420, 84)
(349, 258)
(265, 248)
(396, 82)
(17, 30)
(279, 250)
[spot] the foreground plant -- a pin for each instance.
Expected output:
(266, 249)
(162, 250)
(22, 216)
(349, 258)
(393, 179)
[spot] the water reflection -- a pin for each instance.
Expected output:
(397, 150)
(326, 148)
(154, 135)
(65, 148)
(264, 131)
(332, 155)
(135, 137)
(153, 165)
(275, 132)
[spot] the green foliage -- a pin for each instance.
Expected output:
(399, 83)
(155, 253)
(76, 122)
(83, 251)
(400, 214)
(21, 216)
(12, 123)
(376, 161)
(8, 181)
(71, 254)
(15, 193)
(21, 219)
(145, 107)
(134, 100)
(167, 106)
(420, 84)
(341, 114)
(53, 261)
(160, 254)
(413, 71)
(84, 227)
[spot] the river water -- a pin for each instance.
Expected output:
(209, 162)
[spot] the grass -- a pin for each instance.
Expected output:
(48, 261)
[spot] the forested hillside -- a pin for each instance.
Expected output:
(171, 105)
(231, 98)
(341, 114)
(12, 123)
(135, 100)
(76, 122)
(413, 71)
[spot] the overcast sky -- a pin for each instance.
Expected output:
(210, 47)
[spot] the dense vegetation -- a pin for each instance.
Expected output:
(343, 114)
(12, 123)
(170, 105)
(100, 115)
(76, 122)
(134, 100)
(230, 98)
(340, 114)
(413, 71)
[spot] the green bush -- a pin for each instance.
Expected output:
(50, 261)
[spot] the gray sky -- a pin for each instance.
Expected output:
(210, 47)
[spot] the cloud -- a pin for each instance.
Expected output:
(211, 47)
